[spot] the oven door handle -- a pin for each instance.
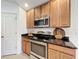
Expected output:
(34, 56)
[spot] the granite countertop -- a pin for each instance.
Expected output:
(26, 36)
(59, 43)
(62, 43)
(55, 42)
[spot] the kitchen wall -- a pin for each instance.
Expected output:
(21, 28)
(11, 7)
(72, 32)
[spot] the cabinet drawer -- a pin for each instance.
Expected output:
(62, 49)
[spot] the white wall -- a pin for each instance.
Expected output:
(72, 32)
(21, 28)
(7, 6)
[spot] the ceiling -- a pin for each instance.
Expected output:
(31, 3)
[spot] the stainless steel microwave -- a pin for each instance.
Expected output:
(43, 22)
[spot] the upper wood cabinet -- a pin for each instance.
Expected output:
(54, 17)
(30, 18)
(57, 10)
(45, 10)
(37, 12)
(59, 13)
(64, 13)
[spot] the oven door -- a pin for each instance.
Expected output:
(39, 49)
(33, 57)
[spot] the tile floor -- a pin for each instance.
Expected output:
(21, 56)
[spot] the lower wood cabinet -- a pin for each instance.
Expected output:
(26, 45)
(59, 55)
(57, 52)
(53, 54)
(66, 56)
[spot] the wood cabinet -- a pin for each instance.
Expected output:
(58, 52)
(66, 56)
(25, 45)
(45, 10)
(57, 10)
(53, 54)
(37, 12)
(64, 13)
(54, 17)
(59, 13)
(42, 11)
(30, 18)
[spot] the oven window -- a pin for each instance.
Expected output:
(38, 49)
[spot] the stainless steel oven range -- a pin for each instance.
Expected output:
(38, 50)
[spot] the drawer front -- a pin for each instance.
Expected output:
(62, 49)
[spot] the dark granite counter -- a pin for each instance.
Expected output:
(26, 36)
(55, 42)
(62, 43)
(59, 43)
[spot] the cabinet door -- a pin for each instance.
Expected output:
(27, 47)
(23, 46)
(66, 56)
(37, 12)
(45, 10)
(64, 13)
(60, 13)
(52, 54)
(54, 13)
(30, 18)
(42, 10)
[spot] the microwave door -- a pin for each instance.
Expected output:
(41, 22)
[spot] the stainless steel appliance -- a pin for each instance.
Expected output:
(38, 45)
(43, 22)
(38, 50)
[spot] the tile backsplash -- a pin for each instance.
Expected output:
(35, 30)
